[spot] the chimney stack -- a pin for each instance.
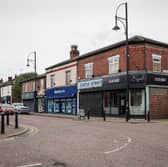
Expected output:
(74, 51)
(9, 78)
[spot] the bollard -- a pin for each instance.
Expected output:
(2, 124)
(7, 119)
(16, 120)
(148, 116)
(88, 114)
(104, 115)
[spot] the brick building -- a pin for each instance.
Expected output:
(6, 91)
(30, 94)
(102, 79)
(61, 92)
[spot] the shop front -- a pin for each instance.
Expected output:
(28, 98)
(107, 95)
(62, 100)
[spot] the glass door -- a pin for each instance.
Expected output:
(56, 106)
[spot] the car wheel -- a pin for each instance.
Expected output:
(19, 111)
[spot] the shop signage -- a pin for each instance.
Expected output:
(90, 84)
(157, 79)
(63, 92)
(59, 91)
(160, 79)
(117, 80)
(28, 95)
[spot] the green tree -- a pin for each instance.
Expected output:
(17, 85)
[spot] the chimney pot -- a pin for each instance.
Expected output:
(74, 51)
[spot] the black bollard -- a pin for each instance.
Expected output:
(2, 124)
(16, 120)
(88, 114)
(148, 116)
(7, 119)
(104, 115)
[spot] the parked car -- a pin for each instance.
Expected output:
(7, 109)
(20, 108)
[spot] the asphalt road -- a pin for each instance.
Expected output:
(71, 143)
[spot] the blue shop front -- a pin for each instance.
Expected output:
(62, 100)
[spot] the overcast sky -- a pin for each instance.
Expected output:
(50, 27)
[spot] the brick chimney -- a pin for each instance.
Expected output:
(9, 78)
(74, 51)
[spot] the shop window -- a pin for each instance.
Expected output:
(156, 62)
(68, 78)
(88, 70)
(136, 97)
(52, 81)
(113, 64)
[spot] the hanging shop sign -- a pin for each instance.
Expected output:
(90, 84)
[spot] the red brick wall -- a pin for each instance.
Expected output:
(158, 102)
(137, 59)
(151, 49)
(29, 86)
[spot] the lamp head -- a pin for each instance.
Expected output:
(27, 63)
(116, 28)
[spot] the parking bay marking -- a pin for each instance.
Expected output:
(31, 165)
(121, 147)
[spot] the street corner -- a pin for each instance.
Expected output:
(12, 133)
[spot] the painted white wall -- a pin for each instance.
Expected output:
(60, 74)
(6, 90)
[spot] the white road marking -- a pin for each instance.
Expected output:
(31, 165)
(121, 147)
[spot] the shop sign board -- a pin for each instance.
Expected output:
(90, 84)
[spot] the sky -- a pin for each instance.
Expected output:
(50, 27)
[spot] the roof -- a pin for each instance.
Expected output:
(133, 40)
(37, 77)
(7, 83)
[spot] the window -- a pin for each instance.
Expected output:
(52, 81)
(88, 70)
(41, 83)
(136, 97)
(113, 64)
(156, 62)
(68, 77)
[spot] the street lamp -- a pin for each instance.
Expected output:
(124, 22)
(33, 60)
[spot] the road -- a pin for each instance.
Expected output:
(72, 143)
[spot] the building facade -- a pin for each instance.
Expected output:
(102, 79)
(6, 91)
(32, 96)
(61, 92)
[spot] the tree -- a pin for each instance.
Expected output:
(17, 85)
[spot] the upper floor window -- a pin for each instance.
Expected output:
(113, 64)
(41, 83)
(26, 87)
(88, 70)
(68, 77)
(156, 62)
(52, 81)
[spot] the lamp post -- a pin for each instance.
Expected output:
(124, 22)
(33, 60)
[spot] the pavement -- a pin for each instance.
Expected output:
(11, 131)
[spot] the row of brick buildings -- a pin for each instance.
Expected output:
(96, 81)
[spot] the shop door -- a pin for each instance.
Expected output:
(137, 102)
(92, 103)
(30, 104)
(114, 104)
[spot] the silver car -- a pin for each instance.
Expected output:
(20, 108)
